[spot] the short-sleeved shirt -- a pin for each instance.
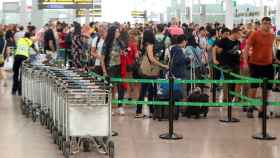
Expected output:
(227, 59)
(262, 44)
(98, 47)
(49, 35)
(211, 42)
(194, 53)
(167, 41)
(175, 30)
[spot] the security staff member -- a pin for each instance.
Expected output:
(22, 53)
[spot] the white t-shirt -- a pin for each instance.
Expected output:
(98, 49)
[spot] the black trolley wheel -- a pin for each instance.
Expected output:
(66, 149)
(60, 142)
(42, 118)
(33, 114)
(111, 149)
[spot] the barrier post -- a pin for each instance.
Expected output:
(214, 86)
(229, 118)
(171, 135)
(264, 135)
(108, 79)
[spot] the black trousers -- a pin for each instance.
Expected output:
(17, 76)
(151, 89)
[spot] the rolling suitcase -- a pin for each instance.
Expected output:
(197, 111)
(162, 112)
(196, 95)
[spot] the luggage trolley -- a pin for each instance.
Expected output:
(85, 104)
(27, 99)
(36, 92)
(65, 100)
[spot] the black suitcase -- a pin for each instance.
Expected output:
(197, 111)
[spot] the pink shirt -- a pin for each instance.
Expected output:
(174, 30)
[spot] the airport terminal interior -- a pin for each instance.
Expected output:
(139, 79)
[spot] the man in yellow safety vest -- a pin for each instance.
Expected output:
(22, 53)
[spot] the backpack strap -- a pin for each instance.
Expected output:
(97, 41)
(198, 61)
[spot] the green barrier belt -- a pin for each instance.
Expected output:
(139, 80)
(250, 100)
(245, 77)
(274, 103)
(166, 103)
(212, 104)
(274, 81)
(218, 81)
(120, 80)
(218, 68)
(236, 75)
(96, 75)
(135, 102)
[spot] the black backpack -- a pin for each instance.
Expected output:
(160, 48)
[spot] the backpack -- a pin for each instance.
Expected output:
(160, 48)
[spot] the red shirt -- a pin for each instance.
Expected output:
(62, 37)
(262, 44)
(132, 52)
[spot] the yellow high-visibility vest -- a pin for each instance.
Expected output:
(23, 46)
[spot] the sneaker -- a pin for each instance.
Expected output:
(121, 111)
(139, 116)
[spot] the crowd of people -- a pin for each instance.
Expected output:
(149, 51)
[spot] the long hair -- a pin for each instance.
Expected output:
(110, 39)
(77, 28)
(148, 38)
(108, 43)
(192, 42)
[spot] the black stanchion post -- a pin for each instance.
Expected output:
(171, 135)
(229, 118)
(214, 86)
(108, 80)
(264, 135)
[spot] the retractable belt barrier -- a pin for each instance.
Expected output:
(245, 100)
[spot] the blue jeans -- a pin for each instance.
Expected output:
(152, 93)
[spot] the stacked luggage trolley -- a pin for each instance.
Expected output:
(75, 107)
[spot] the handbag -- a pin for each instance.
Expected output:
(147, 68)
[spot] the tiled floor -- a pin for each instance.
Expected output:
(206, 138)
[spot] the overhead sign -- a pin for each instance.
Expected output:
(11, 7)
(92, 12)
(139, 14)
(68, 4)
